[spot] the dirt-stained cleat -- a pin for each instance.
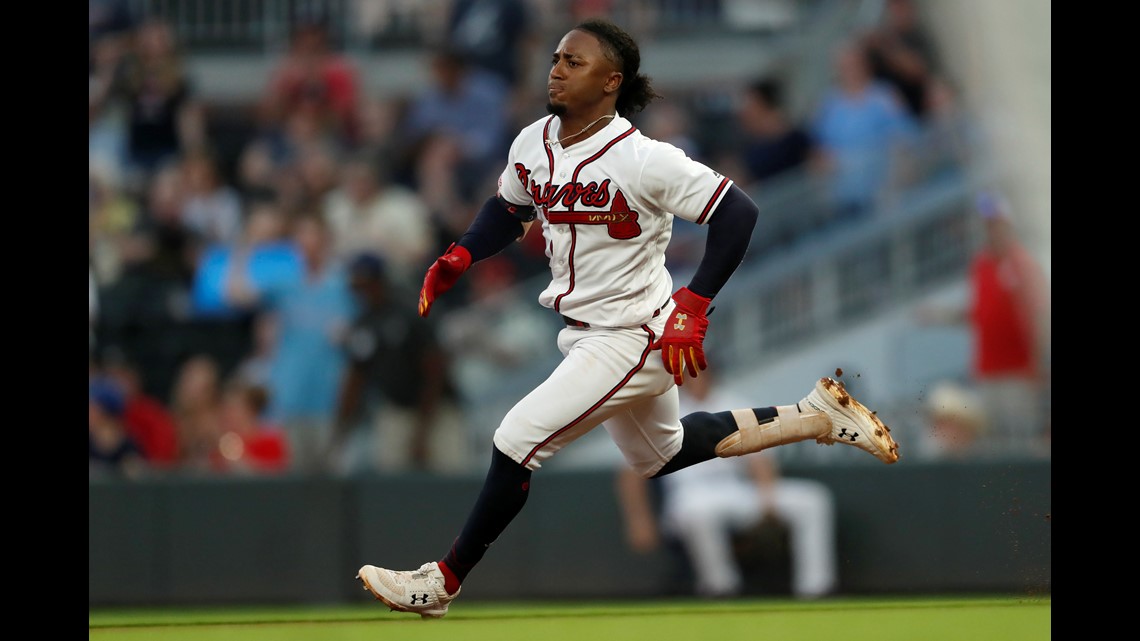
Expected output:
(851, 422)
(418, 591)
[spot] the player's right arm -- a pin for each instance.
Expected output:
(498, 224)
(504, 218)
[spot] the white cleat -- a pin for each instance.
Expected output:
(851, 422)
(420, 591)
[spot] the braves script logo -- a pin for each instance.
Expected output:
(620, 221)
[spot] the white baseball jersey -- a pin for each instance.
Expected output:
(607, 205)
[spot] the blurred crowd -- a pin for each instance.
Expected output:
(253, 288)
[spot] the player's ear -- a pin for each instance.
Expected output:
(613, 82)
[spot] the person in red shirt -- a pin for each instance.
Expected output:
(147, 420)
(248, 445)
(1009, 312)
(313, 81)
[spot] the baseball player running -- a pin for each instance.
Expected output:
(606, 196)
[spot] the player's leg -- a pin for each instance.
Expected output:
(704, 431)
(597, 377)
(430, 590)
(604, 371)
(828, 414)
(655, 440)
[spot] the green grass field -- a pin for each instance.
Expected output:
(847, 619)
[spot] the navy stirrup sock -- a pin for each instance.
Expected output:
(702, 432)
(504, 493)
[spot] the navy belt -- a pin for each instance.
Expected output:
(573, 322)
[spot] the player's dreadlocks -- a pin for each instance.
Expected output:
(621, 49)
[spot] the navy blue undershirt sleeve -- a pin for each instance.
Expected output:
(730, 232)
(493, 229)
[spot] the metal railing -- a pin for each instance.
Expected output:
(842, 274)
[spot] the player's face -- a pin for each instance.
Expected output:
(580, 75)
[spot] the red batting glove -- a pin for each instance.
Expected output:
(442, 274)
(682, 342)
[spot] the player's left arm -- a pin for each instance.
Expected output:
(730, 232)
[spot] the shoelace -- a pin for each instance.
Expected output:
(424, 573)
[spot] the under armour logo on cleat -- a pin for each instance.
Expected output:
(680, 324)
(851, 437)
(420, 596)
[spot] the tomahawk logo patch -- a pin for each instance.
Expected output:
(620, 220)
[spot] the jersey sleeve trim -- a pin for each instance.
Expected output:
(720, 191)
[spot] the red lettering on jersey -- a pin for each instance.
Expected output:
(523, 174)
(568, 194)
(571, 193)
(597, 195)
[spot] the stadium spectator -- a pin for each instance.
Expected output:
(109, 30)
(255, 366)
(248, 445)
(956, 421)
(174, 245)
(466, 105)
(111, 450)
(378, 119)
(314, 174)
(435, 161)
(196, 407)
(149, 299)
(902, 54)
(257, 172)
(165, 117)
(772, 143)
(769, 154)
(398, 381)
(949, 134)
(106, 20)
(148, 422)
(857, 127)
(498, 36)
(1008, 312)
(705, 505)
(369, 212)
(211, 209)
(112, 214)
(311, 314)
(265, 254)
(312, 80)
